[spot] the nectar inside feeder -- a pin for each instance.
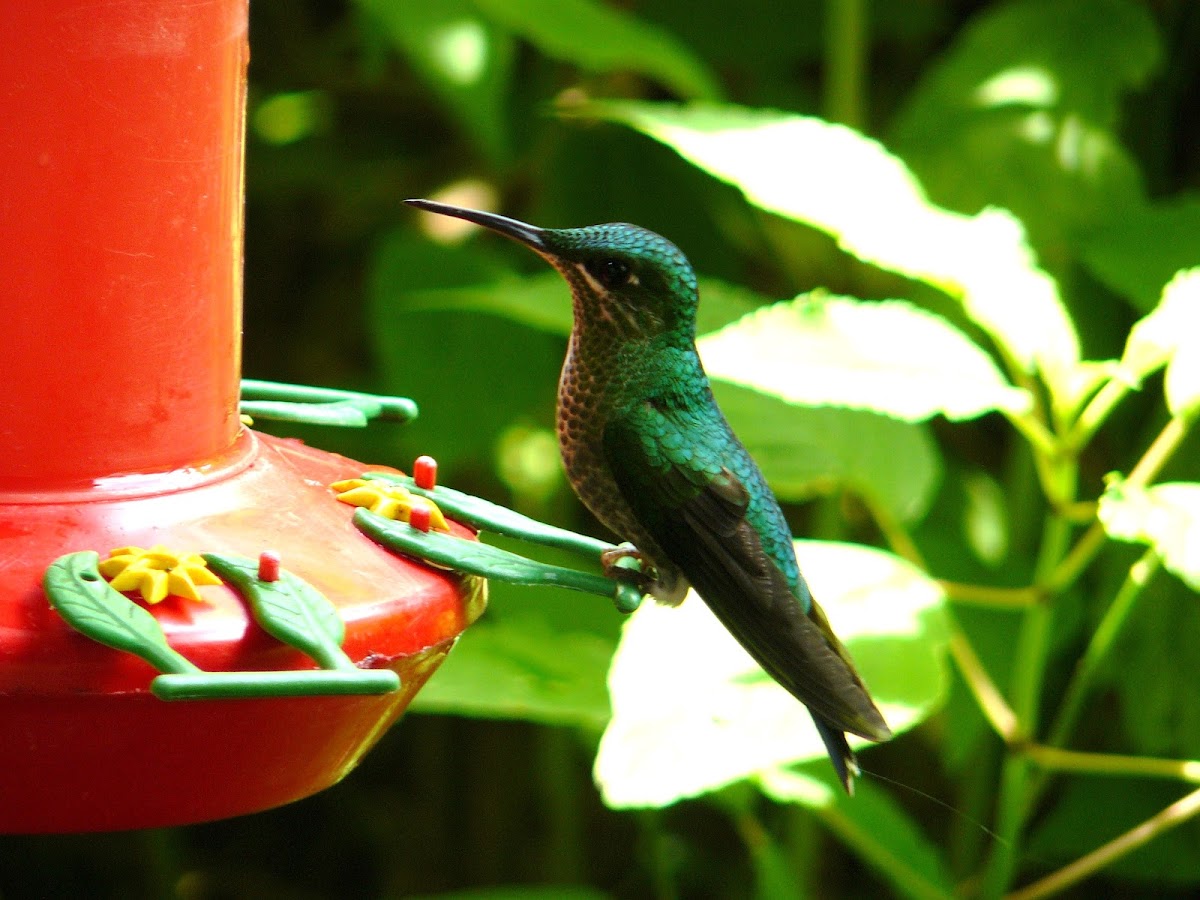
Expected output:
(121, 429)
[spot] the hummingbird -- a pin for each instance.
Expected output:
(649, 452)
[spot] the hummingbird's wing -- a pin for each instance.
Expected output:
(678, 473)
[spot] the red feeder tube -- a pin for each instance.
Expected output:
(121, 231)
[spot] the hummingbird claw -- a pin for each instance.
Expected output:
(626, 563)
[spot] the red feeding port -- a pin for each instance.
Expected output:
(121, 235)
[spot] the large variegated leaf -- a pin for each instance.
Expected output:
(693, 712)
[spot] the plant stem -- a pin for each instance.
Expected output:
(994, 597)
(1078, 559)
(1175, 814)
(894, 532)
(1158, 453)
(846, 62)
(1043, 441)
(1059, 760)
(1032, 654)
(1101, 643)
(1097, 410)
(991, 702)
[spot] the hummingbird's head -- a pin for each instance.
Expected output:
(622, 277)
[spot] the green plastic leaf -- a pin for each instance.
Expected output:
(83, 598)
(483, 515)
(461, 55)
(810, 451)
(341, 413)
(1154, 339)
(477, 558)
(603, 38)
(521, 668)
(843, 183)
(692, 712)
(887, 357)
(872, 824)
(1020, 112)
(1165, 516)
(1139, 251)
(289, 609)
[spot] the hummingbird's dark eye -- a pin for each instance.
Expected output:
(610, 272)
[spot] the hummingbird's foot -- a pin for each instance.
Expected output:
(626, 563)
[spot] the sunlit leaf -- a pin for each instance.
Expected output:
(850, 186)
(1139, 251)
(888, 357)
(1020, 112)
(693, 712)
(870, 823)
(1153, 340)
(603, 38)
(807, 451)
(1183, 375)
(1165, 516)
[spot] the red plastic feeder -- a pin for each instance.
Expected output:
(121, 231)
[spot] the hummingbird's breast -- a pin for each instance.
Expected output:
(585, 402)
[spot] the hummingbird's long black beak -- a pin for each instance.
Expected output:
(529, 235)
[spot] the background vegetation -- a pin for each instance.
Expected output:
(1016, 179)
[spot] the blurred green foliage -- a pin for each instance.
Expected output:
(1024, 171)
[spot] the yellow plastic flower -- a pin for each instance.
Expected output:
(387, 499)
(157, 573)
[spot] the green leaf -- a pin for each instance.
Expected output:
(1165, 516)
(692, 712)
(1154, 339)
(809, 451)
(289, 609)
(887, 357)
(602, 39)
(521, 668)
(1090, 812)
(1159, 705)
(848, 185)
(543, 302)
(870, 823)
(441, 358)
(1020, 113)
(463, 57)
(519, 892)
(985, 518)
(540, 301)
(1139, 252)
(75, 587)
